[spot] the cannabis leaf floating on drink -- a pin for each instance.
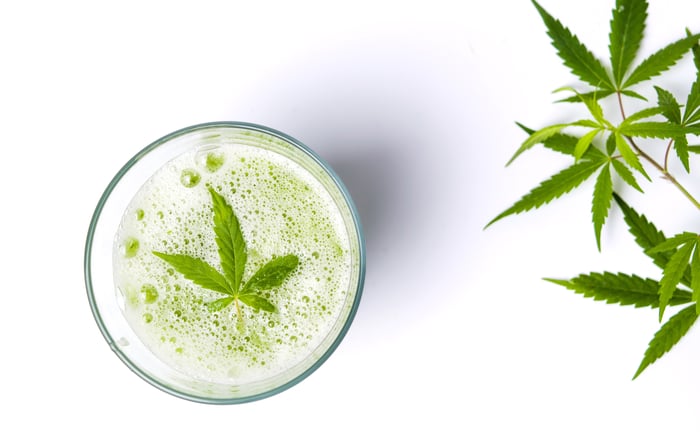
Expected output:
(669, 122)
(233, 256)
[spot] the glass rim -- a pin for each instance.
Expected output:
(87, 263)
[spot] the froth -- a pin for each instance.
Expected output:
(282, 210)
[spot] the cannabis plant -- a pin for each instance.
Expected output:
(605, 147)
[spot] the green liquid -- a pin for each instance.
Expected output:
(283, 209)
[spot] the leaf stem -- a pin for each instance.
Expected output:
(238, 309)
(668, 152)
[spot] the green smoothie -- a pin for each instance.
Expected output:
(292, 290)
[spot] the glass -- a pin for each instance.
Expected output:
(107, 301)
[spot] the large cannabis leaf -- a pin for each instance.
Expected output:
(233, 256)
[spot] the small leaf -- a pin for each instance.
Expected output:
(696, 51)
(669, 334)
(257, 302)
(591, 103)
(229, 238)
(643, 114)
(694, 148)
(660, 61)
(680, 145)
(626, 175)
(584, 142)
(554, 187)
(628, 155)
(597, 94)
(218, 305)
(626, 32)
(673, 243)
(536, 138)
(610, 146)
(574, 54)
(672, 275)
(621, 289)
(669, 105)
(602, 196)
(272, 274)
(655, 129)
(633, 94)
(692, 106)
(198, 271)
(566, 144)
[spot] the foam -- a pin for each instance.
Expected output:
(282, 210)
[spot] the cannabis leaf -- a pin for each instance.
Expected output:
(626, 32)
(574, 54)
(682, 247)
(233, 256)
(669, 334)
(622, 289)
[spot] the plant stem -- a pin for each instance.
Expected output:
(668, 152)
(663, 169)
(665, 173)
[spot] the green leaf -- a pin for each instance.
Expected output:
(655, 129)
(696, 51)
(591, 102)
(538, 137)
(584, 142)
(692, 106)
(620, 289)
(597, 94)
(257, 302)
(626, 175)
(647, 236)
(673, 272)
(610, 146)
(566, 144)
(633, 94)
(628, 155)
(660, 61)
(673, 243)
(695, 277)
(198, 271)
(643, 114)
(694, 148)
(626, 32)
(554, 187)
(272, 274)
(229, 238)
(669, 334)
(680, 145)
(574, 54)
(218, 305)
(602, 197)
(669, 105)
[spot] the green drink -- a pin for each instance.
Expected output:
(237, 264)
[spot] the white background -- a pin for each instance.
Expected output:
(413, 104)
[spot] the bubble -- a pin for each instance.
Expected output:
(214, 161)
(190, 178)
(130, 247)
(139, 214)
(148, 317)
(150, 293)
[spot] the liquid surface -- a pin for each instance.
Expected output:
(282, 209)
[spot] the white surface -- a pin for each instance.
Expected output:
(413, 104)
